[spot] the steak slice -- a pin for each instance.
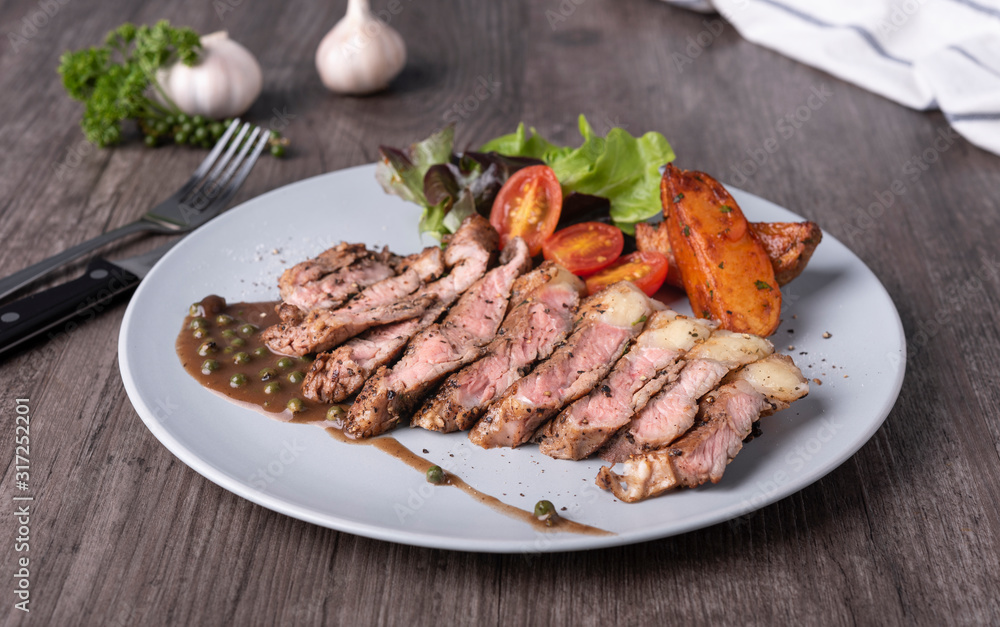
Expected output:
(607, 321)
(725, 419)
(338, 375)
(380, 303)
(671, 412)
(335, 275)
(540, 319)
(439, 349)
(652, 362)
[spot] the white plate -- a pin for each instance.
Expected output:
(301, 471)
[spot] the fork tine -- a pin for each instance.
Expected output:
(207, 163)
(204, 187)
(235, 163)
(237, 181)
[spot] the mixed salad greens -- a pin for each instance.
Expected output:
(450, 186)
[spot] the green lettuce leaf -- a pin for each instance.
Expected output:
(622, 168)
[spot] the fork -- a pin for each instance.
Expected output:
(199, 200)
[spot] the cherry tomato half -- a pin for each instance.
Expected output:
(646, 269)
(528, 205)
(585, 248)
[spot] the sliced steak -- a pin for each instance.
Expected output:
(381, 303)
(725, 419)
(334, 276)
(606, 323)
(338, 375)
(671, 412)
(651, 363)
(539, 319)
(440, 349)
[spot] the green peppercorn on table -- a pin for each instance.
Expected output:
(905, 532)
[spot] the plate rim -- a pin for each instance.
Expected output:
(567, 542)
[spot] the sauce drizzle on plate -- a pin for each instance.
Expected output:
(218, 348)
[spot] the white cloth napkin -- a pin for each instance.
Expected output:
(923, 54)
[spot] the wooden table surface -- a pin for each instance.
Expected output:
(905, 532)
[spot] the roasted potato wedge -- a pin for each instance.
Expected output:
(789, 245)
(724, 267)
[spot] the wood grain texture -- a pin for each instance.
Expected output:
(905, 532)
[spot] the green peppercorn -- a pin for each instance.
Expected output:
(200, 334)
(238, 380)
(241, 358)
(223, 319)
(545, 511)
(208, 366)
(229, 333)
(261, 351)
(248, 329)
(285, 363)
(199, 323)
(335, 413)
(238, 341)
(296, 376)
(272, 388)
(435, 475)
(295, 405)
(266, 374)
(207, 348)
(195, 309)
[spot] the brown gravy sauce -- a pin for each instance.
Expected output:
(247, 373)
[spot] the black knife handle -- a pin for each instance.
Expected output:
(81, 298)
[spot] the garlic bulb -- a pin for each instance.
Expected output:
(361, 54)
(223, 84)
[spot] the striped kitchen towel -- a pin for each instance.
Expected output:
(924, 54)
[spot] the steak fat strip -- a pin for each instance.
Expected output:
(336, 376)
(605, 325)
(652, 362)
(380, 303)
(539, 319)
(439, 349)
(725, 419)
(672, 411)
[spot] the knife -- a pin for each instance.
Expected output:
(81, 298)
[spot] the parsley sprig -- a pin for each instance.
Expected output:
(116, 81)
